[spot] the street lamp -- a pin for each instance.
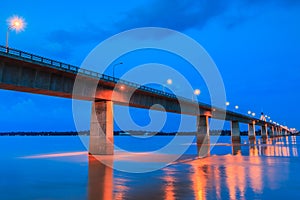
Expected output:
(236, 107)
(169, 82)
(227, 103)
(196, 93)
(249, 112)
(14, 23)
(120, 63)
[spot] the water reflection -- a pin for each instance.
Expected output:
(169, 186)
(247, 173)
(100, 180)
(279, 147)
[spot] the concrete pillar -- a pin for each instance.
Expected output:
(276, 131)
(203, 141)
(272, 131)
(101, 131)
(202, 129)
(236, 149)
(251, 131)
(235, 132)
(264, 131)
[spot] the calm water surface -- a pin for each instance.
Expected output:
(59, 168)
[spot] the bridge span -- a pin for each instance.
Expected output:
(26, 72)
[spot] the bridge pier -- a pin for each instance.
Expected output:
(251, 131)
(235, 132)
(203, 129)
(202, 134)
(272, 131)
(264, 131)
(101, 130)
(276, 131)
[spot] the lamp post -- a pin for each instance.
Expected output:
(169, 82)
(14, 23)
(196, 93)
(120, 63)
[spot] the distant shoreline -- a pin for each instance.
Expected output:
(120, 133)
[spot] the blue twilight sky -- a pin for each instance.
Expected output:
(254, 43)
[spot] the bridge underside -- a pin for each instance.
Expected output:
(21, 74)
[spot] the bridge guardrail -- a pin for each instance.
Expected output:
(77, 70)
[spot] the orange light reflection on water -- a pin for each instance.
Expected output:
(199, 182)
(169, 187)
(226, 176)
(100, 180)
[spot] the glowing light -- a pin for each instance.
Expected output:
(169, 81)
(56, 155)
(197, 92)
(249, 112)
(227, 103)
(270, 120)
(16, 23)
(266, 116)
(122, 87)
(253, 114)
(236, 107)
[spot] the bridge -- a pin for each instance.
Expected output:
(26, 72)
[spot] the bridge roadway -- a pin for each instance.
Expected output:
(25, 72)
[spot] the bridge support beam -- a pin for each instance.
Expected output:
(276, 131)
(101, 131)
(280, 131)
(251, 131)
(202, 134)
(264, 131)
(272, 131)
(235, 132)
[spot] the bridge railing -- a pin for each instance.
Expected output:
(77, 70)
(22, 55)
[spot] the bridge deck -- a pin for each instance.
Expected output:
(22, 71)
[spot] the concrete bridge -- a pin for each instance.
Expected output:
(25, 72)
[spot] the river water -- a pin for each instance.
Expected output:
(43, 167)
